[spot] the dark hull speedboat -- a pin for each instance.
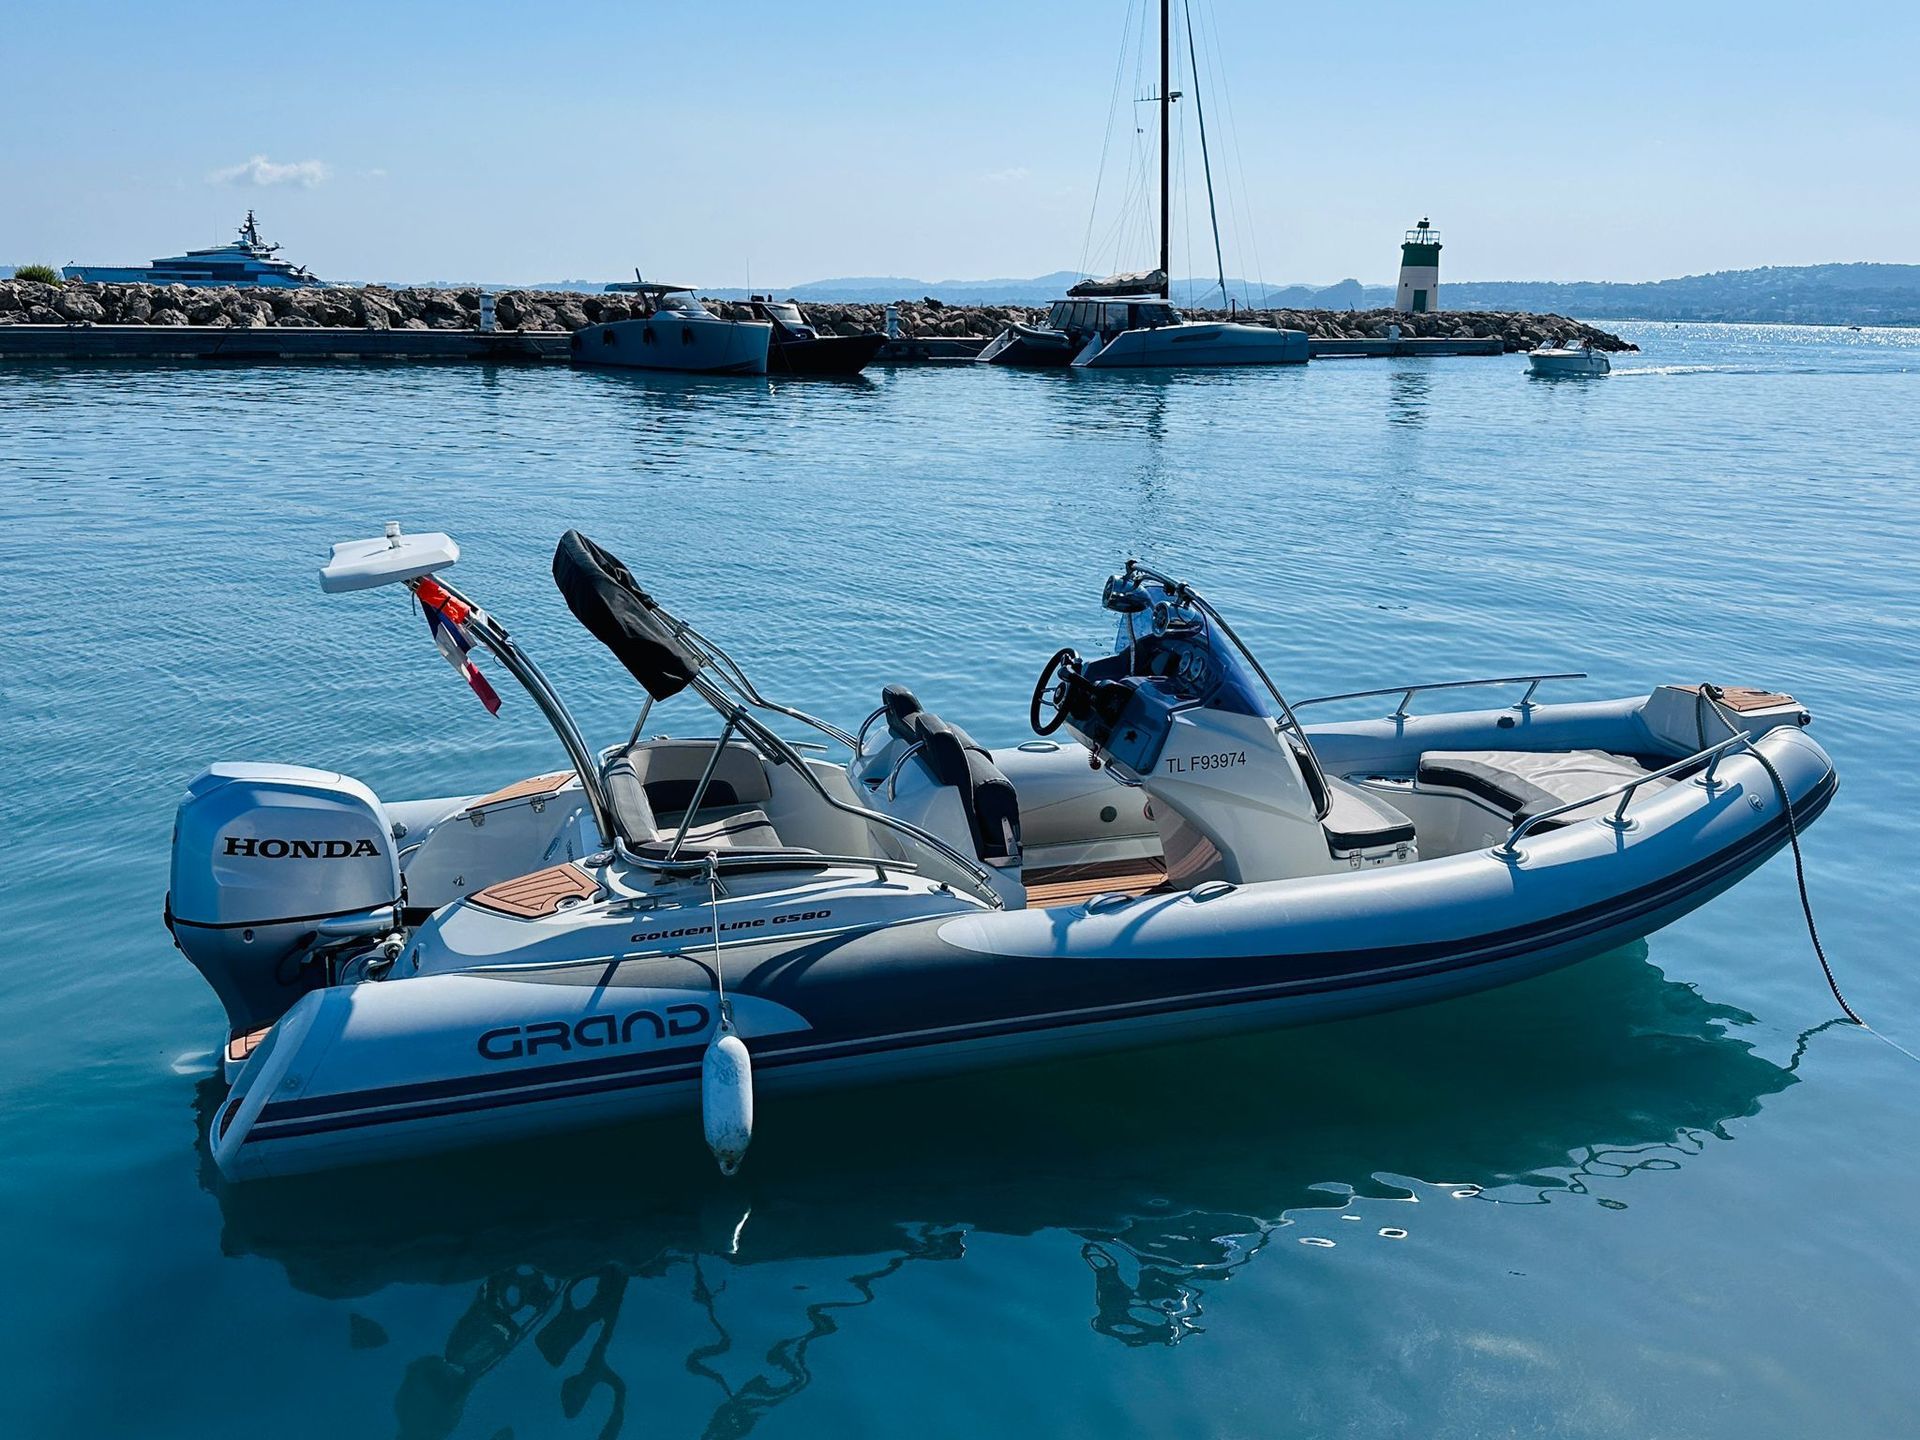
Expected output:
(798, 347)
(681, 923)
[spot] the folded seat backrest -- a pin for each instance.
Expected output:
(987, 796)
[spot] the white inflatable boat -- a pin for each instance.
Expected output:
(681, 923)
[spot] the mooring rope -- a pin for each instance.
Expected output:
(1710, 695)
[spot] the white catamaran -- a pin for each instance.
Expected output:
(1129, 321)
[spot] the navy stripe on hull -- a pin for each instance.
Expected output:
(286, 1120)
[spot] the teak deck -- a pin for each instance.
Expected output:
(1076, 884)
(529, 897)
(522, 789)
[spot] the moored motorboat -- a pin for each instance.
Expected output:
(674, 332)
(675, 923)
(1555, 359)
(798, 347)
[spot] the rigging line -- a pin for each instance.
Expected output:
(1206, 161)
(1106, 141)
(1218, 64)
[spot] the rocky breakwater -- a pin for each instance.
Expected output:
(1516, 330)
(929, 319)
(372, 307)
(375, 307)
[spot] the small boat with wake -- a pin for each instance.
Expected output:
(691, 922)
(1556, 360)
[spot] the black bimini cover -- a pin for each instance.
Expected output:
(605, 598)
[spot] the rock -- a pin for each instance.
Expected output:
(9, 301)
(168, 317)
(374, 312)
(294, 320)
(569, 316)
(78, 306)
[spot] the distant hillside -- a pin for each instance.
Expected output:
(1785, 294)
(1849, 294)
(879, 289)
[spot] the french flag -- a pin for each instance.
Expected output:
(450, 638)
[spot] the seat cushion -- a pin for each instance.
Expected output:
(739, 829)
(1524, 782)
(901, 705)
(952, 757)
(1359, 820)
(628, 799)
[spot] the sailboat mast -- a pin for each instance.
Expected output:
(1206, 161)
(1166, 141)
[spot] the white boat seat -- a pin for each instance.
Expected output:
(951, 757)
(738, 828)
(1360, 820)
(1520, 783)
(716, 827)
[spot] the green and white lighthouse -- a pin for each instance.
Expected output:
(1419, 271)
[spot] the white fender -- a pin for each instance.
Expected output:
(726, 1095)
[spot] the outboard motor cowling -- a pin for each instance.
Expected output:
(277, 869)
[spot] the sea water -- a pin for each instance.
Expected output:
(1659, 1193)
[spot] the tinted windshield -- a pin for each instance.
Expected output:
(1178, 645)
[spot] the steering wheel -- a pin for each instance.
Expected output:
(1067, 661)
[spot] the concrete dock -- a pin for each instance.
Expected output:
(273, 343)
(270, 343)
(1406, 345)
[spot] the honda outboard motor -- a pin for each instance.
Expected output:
(279, 874)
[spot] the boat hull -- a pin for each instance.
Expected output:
(1031, 348)
(1197, 344)
(382, 1070)
(1569, 366)
(689, 344)
(824, 355)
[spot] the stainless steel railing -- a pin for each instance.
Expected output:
(1509, 849)
(1407, 692)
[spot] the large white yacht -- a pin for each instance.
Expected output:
(248, 260)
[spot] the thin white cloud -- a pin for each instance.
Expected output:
(1013, 175)
(261, 171)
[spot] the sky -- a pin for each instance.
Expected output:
(733, 142)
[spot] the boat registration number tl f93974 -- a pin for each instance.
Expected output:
(1218, 760)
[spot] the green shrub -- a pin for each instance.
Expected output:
(45, 274)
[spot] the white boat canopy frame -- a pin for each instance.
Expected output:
(671, 655)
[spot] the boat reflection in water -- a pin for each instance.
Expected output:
(1173, 1169)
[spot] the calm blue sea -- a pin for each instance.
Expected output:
(1658, 1194)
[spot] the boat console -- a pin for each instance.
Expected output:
(1181, 709)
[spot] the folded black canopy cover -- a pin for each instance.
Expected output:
(605, 598)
